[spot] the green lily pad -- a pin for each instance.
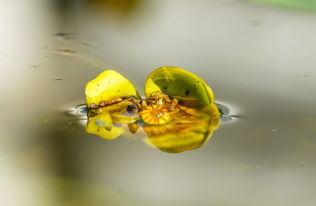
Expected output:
(181, 84)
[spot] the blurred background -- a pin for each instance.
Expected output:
(258, 56)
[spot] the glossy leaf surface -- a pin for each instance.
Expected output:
(181, 84)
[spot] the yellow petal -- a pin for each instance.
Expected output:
(107, 86)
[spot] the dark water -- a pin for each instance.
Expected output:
(258, 60)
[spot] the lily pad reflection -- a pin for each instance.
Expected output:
(186, 131)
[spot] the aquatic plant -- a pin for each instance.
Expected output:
(177, 114)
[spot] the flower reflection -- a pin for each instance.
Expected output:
(186, 129)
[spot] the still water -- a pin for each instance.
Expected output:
(258, 60)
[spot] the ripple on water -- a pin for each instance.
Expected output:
(81, 111)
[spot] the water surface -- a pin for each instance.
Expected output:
(258, 60)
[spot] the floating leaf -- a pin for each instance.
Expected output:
(180, 84)
(107, 86)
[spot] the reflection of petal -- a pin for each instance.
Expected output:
(104, 121)
(119, 114)
(102, 125)
(186, 132)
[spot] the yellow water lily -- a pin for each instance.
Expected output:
(178, 113)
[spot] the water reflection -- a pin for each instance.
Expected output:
(188, 131)
(188, 128)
